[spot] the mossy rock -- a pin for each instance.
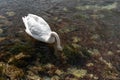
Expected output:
(76, 54)
(2, 78)
(18, 47)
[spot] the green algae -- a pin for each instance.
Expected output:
(18, 47)
(97, 7)
(76, 54)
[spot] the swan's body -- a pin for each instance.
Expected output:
(38, 28)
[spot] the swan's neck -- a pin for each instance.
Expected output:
(54, 34)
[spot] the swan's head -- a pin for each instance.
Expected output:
(59, 48)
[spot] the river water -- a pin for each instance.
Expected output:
(107, 11)
(94, 24)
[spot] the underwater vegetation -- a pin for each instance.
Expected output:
(89, 33)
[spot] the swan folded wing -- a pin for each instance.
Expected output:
(36, 31)
(40, 34)
(40, 20)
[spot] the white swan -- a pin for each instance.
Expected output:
(38, 28)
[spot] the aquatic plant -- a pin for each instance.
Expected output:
(76, 54)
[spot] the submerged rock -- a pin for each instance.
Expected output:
(65, 9)
(95, 36)
(11, 71)
(11, 13)
(89, 64)
(18, 57)
(94, 52)
(110, 53)
(1, 31)
(59, 72)
(55, 78)
(79, 73)
(4, 21)
(2, 38)
(68, 29)
(33, 77)
(76, 39)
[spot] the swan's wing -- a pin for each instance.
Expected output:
(39, 30)
(40, 34)
(40, 20)
(33, 25)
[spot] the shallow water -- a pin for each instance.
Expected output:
(93, 24)
(106, 11)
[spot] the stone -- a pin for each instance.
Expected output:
(46, 78)
(89, 64)
(65, 9)
(94, 52)
(110, 53)
(49, 66)
(76, 39)
(34, 77)
(68, 29)
(1, 31)
(55, 18)
(13, 72)
(55, 78)
(2, 17)
(118, 45)
(91, 75)
(11, 13)
(95, 77)
(59, 72)
(118, 51)
(108, 64)
(95, 36)
(79, 73)
(4, 21)
(17, 57)
(2, 38)
(76, 46)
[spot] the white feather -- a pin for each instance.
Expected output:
(39, 29)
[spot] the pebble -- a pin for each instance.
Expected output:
(118, 51)
(13, 72)
(94, 52)
(11, 13)
(4, 21)
(79, 73)
(1, 31)
(18, 57)
(65, 9)
(95, 36)
(59, 72)
(110, 53)
(118, 45)
(89, 64)
(76, 39)
(91, 75)
(55, 18)
(76, 46)
(2, 17)
(2, 38)
(95, 77)
(55, 78)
